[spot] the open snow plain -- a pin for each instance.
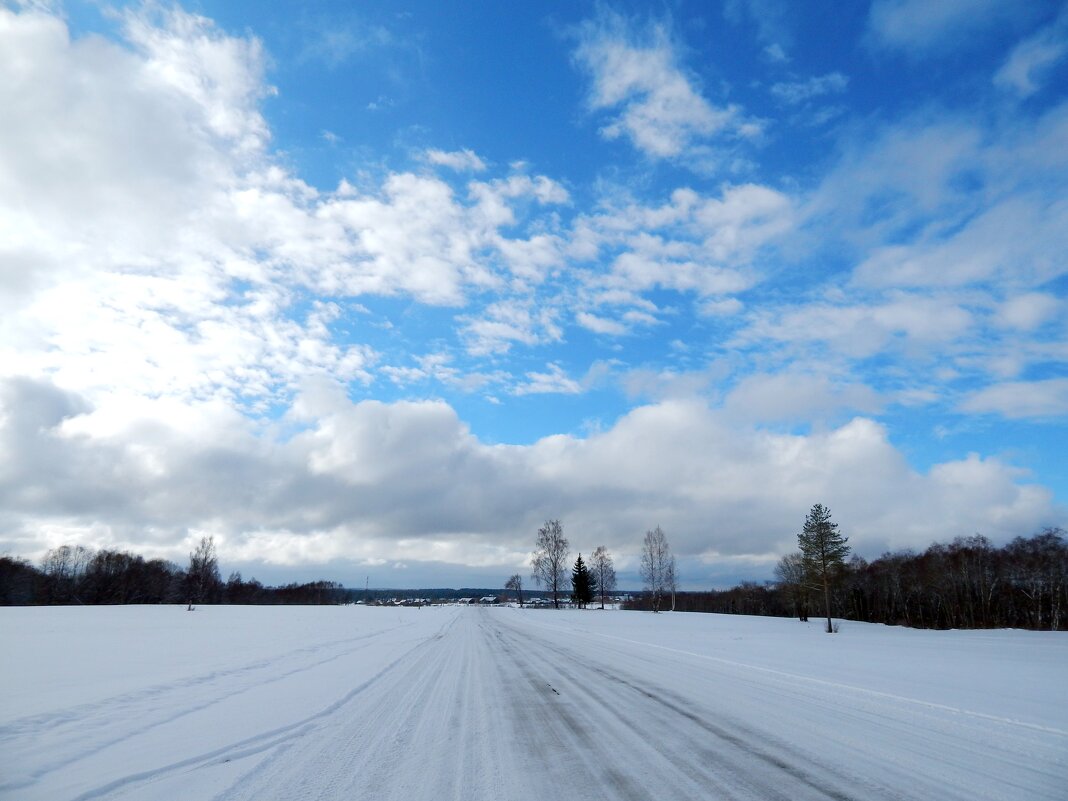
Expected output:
(265, 703)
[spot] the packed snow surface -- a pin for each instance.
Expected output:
(350, 702)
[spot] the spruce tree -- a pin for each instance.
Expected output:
(822, 549)
(581, 583)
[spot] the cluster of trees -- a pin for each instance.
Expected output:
(967, 583)
(747, 598)
(78, 575)
(598, 578)
(812, 573)
(549, 565)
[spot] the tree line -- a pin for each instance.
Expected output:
(79, 575)
(964, 584)
(967, 583)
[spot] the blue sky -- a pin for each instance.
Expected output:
(379, 289)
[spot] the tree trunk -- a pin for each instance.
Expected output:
(827, 601)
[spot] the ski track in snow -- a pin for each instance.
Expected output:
(476, 703)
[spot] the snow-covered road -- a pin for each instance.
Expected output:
(500, 703)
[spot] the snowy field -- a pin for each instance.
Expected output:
(264, 703)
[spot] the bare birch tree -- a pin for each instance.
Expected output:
(203, 581)
(604, 572)
(656, 558)
(790, 572)
(548, 563)
(515, 584)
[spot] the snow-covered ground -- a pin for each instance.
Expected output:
(501, 703)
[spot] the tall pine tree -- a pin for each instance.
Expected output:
(822, 550)
(581, 583)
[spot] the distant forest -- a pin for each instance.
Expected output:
(75, 575)
(72, 575)
(968, 583)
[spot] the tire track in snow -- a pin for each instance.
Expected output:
(32, 724)
(881, 745)
(280, 738)
(78, 733)
(838, 686)
(598, 725)
(432, 730)
(494, 705)
(734, 763)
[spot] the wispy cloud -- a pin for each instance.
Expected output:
(795, 92)
(860, 330)
(776, 54)
(797, 396)
(1032, 59)
(459, 160)
(770, 19)
(553, 381)
(636, 73)
(600, 325)
(1028, 311)
(335, 41)
(692, 243)
(920, 28)
(505, 323)
(1047, 398)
